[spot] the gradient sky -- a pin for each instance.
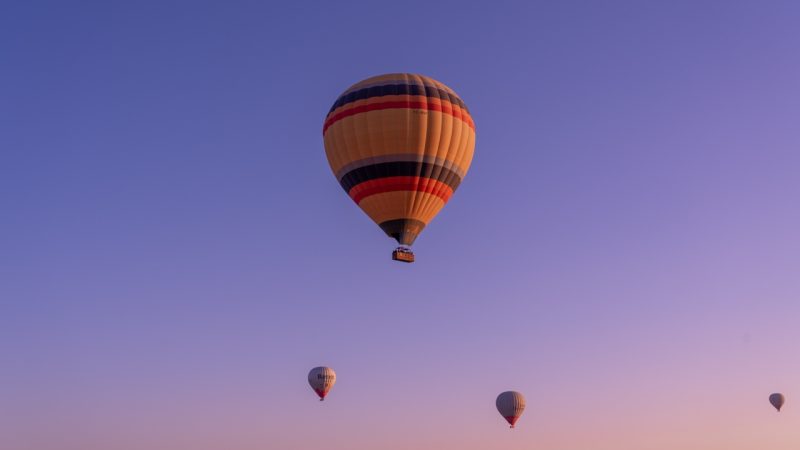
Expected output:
(176, 255)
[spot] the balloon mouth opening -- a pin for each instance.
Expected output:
(511, 421)
(404, 231)
(321, 394)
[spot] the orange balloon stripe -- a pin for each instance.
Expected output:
(444, 107)
(389, 184)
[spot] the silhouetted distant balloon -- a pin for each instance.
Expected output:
(510, 404)
(399, 144)
(321, 380)
(777, 400)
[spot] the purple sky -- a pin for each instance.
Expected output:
(176, 255)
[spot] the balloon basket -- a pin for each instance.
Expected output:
(403, 254)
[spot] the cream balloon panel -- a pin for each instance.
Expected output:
(402, 204)
(398, 131)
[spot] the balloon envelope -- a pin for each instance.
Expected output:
(777, 400)
(399, 144)
(321, 380)
(510, 404)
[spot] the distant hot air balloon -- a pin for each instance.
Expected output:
(399, 144)
(777, 400)
(321, 380)
(510, 404)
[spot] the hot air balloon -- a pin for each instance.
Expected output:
(399, 144)
(510, 404)
(777, 400)
(321, 380)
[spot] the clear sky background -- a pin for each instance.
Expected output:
(175, 254)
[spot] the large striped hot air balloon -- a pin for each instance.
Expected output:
(399, 144)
